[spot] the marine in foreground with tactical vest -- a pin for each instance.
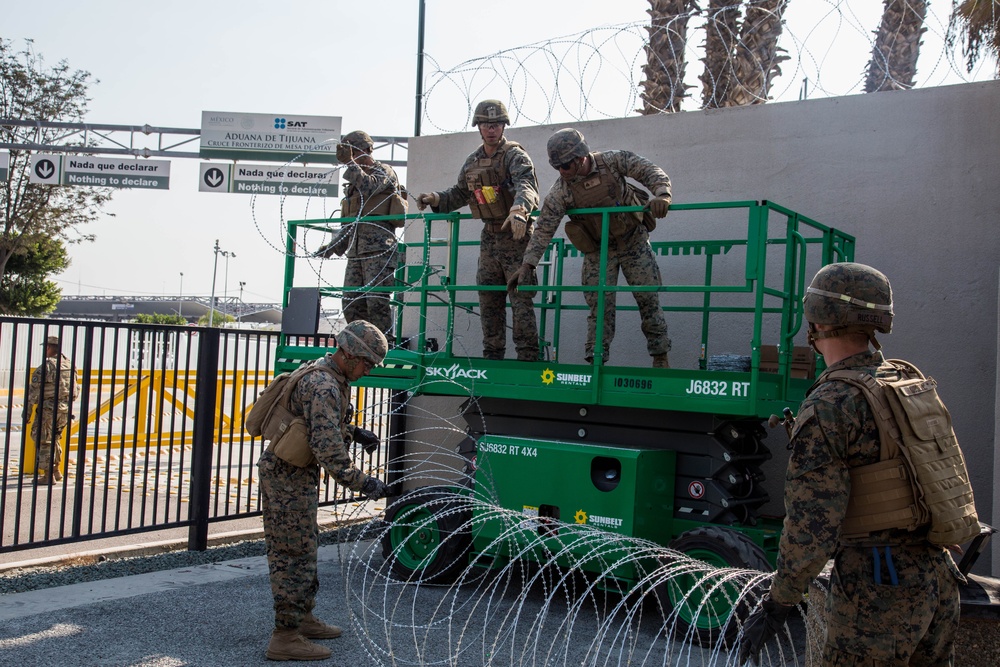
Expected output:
(497, 182)
(597, 180)
(372, 189)
(857, 489)
(317, 435)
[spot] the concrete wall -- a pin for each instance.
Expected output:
(911, 174)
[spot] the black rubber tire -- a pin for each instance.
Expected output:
(428, 538)
(714, 619)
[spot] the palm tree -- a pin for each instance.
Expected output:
(757, 59)
(893, 65)
(721, 34)
(665, 55)
(741, 61)
(979, 23)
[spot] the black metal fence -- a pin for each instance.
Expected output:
(154, 438)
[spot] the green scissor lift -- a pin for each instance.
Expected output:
(668, 455)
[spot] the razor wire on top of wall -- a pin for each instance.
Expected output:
(723, 54)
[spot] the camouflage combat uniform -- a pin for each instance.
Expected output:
(371, 254)
(500, 255)
(290, 495)
(631, 254)
(55, 382)
(870, 620)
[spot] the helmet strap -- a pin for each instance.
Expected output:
(814, 334)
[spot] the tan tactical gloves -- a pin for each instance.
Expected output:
(516, 222)
(659, 205)
(426, 199)
(522, 277)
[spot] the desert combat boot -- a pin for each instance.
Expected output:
(290, 645)
(313, 628)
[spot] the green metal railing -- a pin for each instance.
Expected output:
(776, 241)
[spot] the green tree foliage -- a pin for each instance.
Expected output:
(218, 320)
(24, 289)
(159, 318)
(32, 90)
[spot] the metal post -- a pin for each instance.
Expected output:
(239, 313)
(420, 69)
(215, 271)
(204, 437)
(180, 297)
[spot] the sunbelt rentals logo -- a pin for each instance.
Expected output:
(570, 379)
(582, 518)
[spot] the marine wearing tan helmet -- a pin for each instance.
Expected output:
(363, 339)
(359, 139)
(851, 298)
(566, 145)
(490, 111)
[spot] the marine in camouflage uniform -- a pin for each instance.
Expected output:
(289, 494)
(370, 245)
(501, 245)
(53, 388)
(629, 251)
(894, 596)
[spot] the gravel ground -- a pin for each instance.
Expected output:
(96, 568)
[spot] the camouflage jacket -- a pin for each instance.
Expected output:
(324, 401)
(560, 199)
(834, 431)
(371, 188)
(57, 387)
(520, 180)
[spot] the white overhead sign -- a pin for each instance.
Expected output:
(275, 137)
(105, 172)
(4, 167)
(268, 179)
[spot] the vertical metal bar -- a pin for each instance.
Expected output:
(81, 449)
(420, 70)
(397, 438)
(204, 431)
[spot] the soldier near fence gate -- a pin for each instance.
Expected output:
(498, 184)
(597, 180)
(372, 189)
(894, 596)
(289, 491)
(53, 388)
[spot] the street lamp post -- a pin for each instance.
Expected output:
(225, 282)
(239, 316)
(215, 272)
(180, 297)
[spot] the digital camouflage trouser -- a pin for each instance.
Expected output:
(873, 622)
(375, 307)
(48, 440)
(635, 259)
(500, 257)
(289, 498)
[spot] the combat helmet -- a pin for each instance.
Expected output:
(490, 111)
(565, 145)
(363, 339)
(854, 298)
(359, 139)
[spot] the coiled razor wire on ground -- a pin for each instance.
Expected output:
(528, 610)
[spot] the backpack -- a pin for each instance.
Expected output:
(919, 452)
(271, 417)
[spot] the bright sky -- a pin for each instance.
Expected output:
(163, 63)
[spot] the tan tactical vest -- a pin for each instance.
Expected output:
(602, 190)
(60, 383)
(488, 198)
(921, 476)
